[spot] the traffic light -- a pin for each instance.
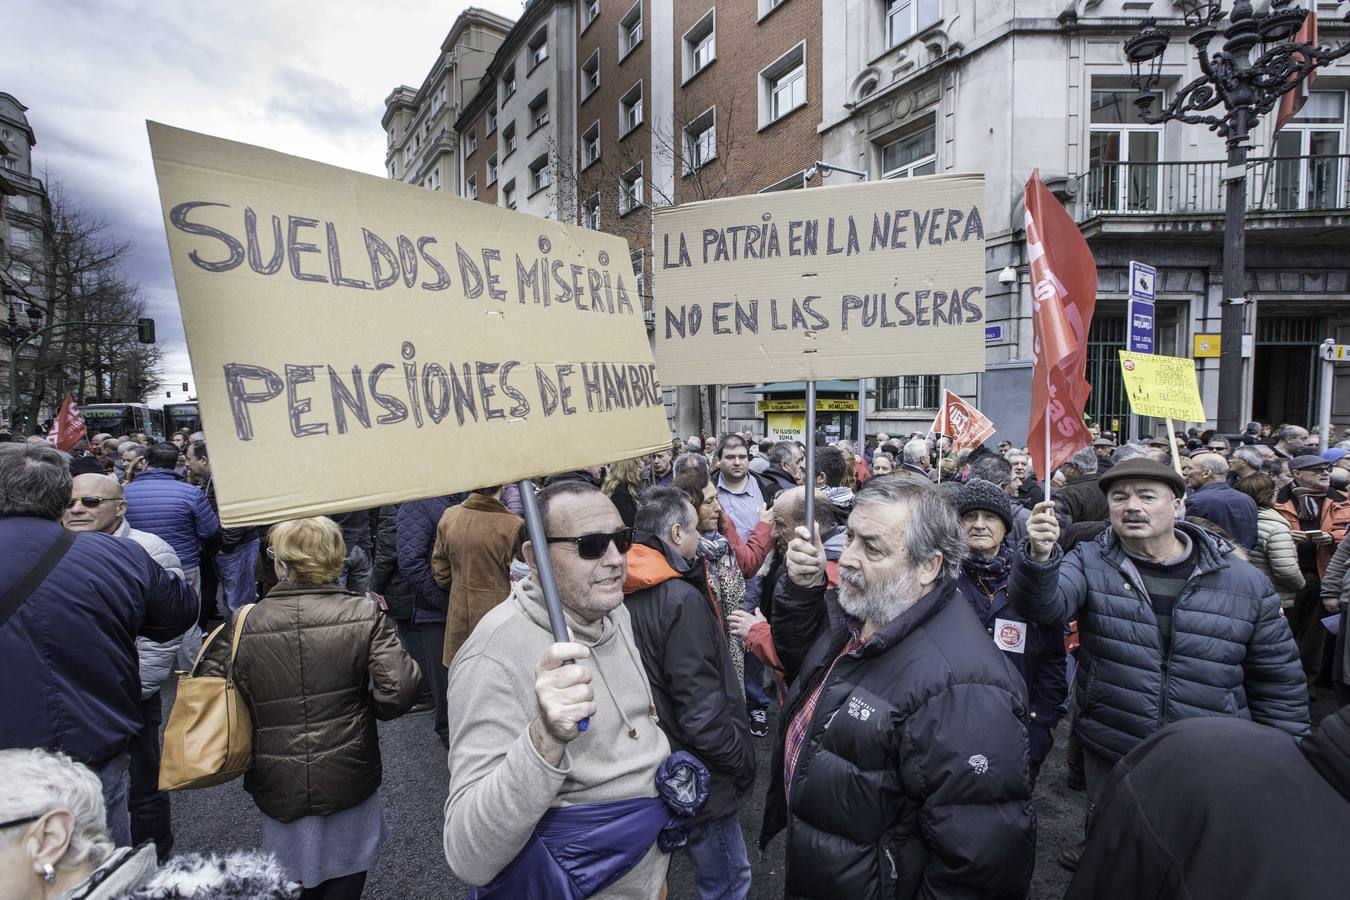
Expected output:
(145, 330)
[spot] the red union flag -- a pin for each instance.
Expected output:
(962, 422)
(1064, 293)
(1292, 100)
(68, 428)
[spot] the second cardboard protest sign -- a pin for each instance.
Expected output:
(357, 341)
(879, 278)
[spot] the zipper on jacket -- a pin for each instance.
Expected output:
(895, 873)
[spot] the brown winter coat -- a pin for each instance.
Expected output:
(472, 560)
(317, 666)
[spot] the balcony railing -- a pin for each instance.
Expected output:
(1274, 184)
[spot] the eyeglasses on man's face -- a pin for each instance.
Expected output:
(89, 502)
(593, 546)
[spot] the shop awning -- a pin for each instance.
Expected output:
(799, 387)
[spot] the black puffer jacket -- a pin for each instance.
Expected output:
(698, 700)
(1081, 500)
(385, 578)
(913, 779)
(1232, 652)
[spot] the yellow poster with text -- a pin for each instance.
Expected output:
(1162, 386)
(357, 341)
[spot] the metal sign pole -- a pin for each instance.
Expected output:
(1324, 398)
(534, 526)
(809, 476)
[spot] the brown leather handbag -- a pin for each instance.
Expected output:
(209, 737)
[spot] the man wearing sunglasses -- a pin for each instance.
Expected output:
(516, 749)
(97, 504)
(71, 677)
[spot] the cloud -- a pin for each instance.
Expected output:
(319, 103)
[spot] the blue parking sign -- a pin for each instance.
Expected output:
(1142, 319)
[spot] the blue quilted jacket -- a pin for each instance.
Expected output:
(1232, 652)
(161, 502)
(417, 521)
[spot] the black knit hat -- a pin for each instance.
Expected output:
(985, 495)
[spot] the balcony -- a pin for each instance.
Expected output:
(1282, 191)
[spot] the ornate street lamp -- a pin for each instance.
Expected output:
(1234, 92)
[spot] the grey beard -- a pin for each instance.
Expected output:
(881, 603)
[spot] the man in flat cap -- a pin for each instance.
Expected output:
(1171, 624)
(1318, 515)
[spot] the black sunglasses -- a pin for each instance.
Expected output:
(89, 502)
(593, 546)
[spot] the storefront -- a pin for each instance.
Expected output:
(782, 409)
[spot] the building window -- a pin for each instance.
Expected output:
(1310, 170)
(539, 47)
(491, 122)
(639, 270)
(630, 110)
(700, 141)
(541, 176)
(471, 143)
(434, 179)
(508, 140)
(630, 190)
(630, 30)
(768, 6)
(590, 145)
(590, 12)
(913, 154)
(590, 76)
(1123, 154)
(783, 85)
(590, 212)
(471, 187)
(509, 194)
(906, 18)
(539, 112)
(700, 45)
(492, 170)
(908, 392)
(508, 82)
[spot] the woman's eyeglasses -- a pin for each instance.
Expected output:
(88, 502)
(593, 546)
(24, 821)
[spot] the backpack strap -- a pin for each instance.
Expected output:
(36, 575)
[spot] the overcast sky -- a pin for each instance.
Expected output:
(299, 76)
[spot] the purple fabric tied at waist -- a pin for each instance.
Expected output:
(577, 851)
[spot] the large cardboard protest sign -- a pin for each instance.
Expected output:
(1162, 386)
(357, 341)
(878, 278)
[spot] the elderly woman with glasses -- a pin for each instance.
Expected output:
(54, 843)
(317, 665)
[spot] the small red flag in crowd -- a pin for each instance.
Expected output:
(962, 422)
(1064, 293)
(68, 429)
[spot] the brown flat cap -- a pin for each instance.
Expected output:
(1142, 468)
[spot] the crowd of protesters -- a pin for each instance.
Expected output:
(1177, 600)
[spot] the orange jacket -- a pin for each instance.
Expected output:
(1335, 521)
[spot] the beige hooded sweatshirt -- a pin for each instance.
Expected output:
(499, 784)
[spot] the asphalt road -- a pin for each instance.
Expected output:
(412, 866)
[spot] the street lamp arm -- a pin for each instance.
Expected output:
(1281, 69)
(1195, 97)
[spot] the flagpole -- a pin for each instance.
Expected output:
(1047, 437)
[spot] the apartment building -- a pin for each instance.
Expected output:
(419, 123)
(681, 100)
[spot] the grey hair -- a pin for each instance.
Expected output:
(686, 461)
(1290, 431)
(915, 451)
(994, 469)
(34, 481)
(781, 452)
(1213, 462)
(1128, 451)
(129, 445)
(1250, 455)
(550, 494)
(1085, 460)
(35, 782)
(934, 526)
(662, 508)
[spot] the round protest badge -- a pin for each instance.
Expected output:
(1129, 365)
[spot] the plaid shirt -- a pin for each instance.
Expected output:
(801, 723)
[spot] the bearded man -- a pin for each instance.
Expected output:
(901, 768)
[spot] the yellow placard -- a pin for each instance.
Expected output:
(799, 405)
(357, 341)
(1206, 346)
(1162, 386)
(881, 278)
